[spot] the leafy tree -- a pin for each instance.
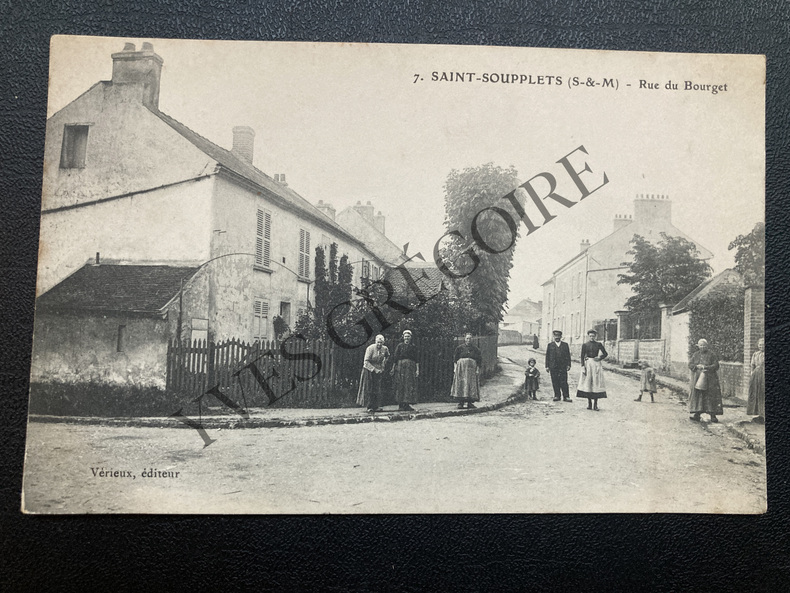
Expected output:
(332, 286)
(468, 194)
(718, 317)
(280, 327)
(750, 255)
(446, 315)
(662, 273)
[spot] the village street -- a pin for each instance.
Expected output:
(532, 457)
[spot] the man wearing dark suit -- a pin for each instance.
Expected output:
(558, 363)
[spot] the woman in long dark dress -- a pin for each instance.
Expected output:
(466, 379)
(405, 371)
(756, 404)
(704, 390)
(591, 382)
(369, 394)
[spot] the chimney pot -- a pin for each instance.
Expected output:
(140, 68)
(244, 143)
(97, 258)
(147, 46)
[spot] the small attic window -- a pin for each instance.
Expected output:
(75, 144)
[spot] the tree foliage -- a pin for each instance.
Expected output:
(468, 194)
(718, 317)
(662, 273)
(750, 255)
(332, 286)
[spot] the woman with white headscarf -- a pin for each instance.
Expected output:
(369, 394)
(705, 390)
(405, 370)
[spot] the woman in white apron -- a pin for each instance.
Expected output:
(591, 382)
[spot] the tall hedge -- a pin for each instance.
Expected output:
(718, 317)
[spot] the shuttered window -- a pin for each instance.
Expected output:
(304, 253)
(260, 320)
(263, 239)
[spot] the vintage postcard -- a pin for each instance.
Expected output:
(354, 278)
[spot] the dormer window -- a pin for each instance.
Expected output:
(75, 144)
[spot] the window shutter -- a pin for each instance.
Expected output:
(304, 253)
(260, 325)
(267, 239)
(307, 254)
(263, 239)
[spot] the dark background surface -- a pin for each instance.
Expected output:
(436, 553)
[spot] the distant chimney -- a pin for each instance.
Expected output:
(243, 143)
(366, 211)
(378, 222)
(652, 208)
(326, 208)
(280, 178)
(142, 67)
(585, 244)
(621, 220)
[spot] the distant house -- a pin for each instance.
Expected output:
(583, 292)
(111, 323)
(124, 182)
(524, 317)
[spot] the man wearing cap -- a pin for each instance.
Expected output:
(558, 363)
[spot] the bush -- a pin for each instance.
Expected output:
(718, 317)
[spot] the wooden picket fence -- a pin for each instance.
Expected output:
(239, 369)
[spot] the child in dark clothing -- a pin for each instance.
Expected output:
(648, 381)
(531, 379)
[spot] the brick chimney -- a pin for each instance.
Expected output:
(621, 220)
(366, 211)
(142, 68)
(584, 245)
(378, 222)
(326, 208)
(652, 208)
(243, 143)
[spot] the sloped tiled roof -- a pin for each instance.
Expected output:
(428, 278)
(527, 309)
(138, 289)
(728, 276)
(230, 161)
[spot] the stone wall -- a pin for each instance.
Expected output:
(650, 350)
(79, 348)
(508, 336)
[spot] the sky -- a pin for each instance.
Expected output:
(358, 122)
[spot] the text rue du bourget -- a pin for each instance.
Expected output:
(539, 189)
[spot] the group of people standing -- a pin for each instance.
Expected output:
(592, 385)
(405, 370)
(704, 392)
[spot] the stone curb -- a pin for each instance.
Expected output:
(751, 442)
(215, 423)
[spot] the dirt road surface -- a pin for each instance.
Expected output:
(533, 457)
